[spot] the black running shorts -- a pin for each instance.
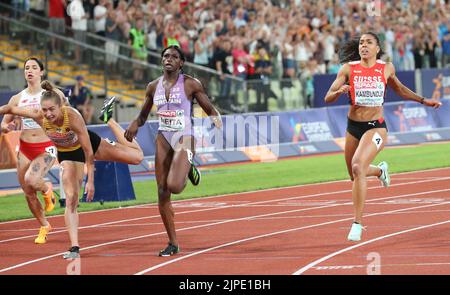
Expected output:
(357, 129)
(78, 154)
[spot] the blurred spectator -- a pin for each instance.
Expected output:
(242, 61)
(79, 25)
(203, 49)
(113, 34)
(122, 18)
(223, 61)
(138, 41)
(333, 65)
(80, 98)
(446, 46)
(261, 78)
(38, 7)
(4, 25)
(100, 15)
(307, 81)
(57, 21)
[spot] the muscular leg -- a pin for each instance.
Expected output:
(163, 160)
(351, 144)
(179, 169)
(119, 134)
(72, 178)
(118, 152)
(23, 168)
(364, 155)
(37, 171)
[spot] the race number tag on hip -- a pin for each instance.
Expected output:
(171, 120)
(52, 151)
(377, 140)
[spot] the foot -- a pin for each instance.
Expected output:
(169, 251)
(107, 109)
(73, 253)
(42, 236)
(62, 203)
(194, 175)
(355, 232)
(49, 198)
(384, 177)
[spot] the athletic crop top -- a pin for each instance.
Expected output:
(368, 85)
(30, 102)
(175, 114)
(65, 139)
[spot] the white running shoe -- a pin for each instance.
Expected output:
(355, 232)
(384, 177)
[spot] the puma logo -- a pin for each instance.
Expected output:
(371, 123)
(378, 71)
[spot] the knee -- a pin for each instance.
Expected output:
(31, 182)
(137, 159)
(357, 170)
(175, 187)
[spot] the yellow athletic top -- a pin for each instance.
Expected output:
(65, 139)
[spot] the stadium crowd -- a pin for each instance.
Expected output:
(301, 37)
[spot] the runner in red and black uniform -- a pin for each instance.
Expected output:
(364, 77)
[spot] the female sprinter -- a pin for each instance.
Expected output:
(37, 153)
(76, 146)
(365, 77)
(173, 94)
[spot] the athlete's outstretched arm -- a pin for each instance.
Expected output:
(132, 130)
(8, 123)
(34, 114)
(404, 91)
(338, 87)
(79, 127)
(204, 102)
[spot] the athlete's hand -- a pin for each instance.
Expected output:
(131, 131)
(344, 89)
(217, 121)
(7, 127)
(90, 190)
(432, 103)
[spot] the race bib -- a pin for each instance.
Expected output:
(369, 93)
(171, 120)
(52, 151)
(377, 140)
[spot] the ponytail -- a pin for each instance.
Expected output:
(50, 93)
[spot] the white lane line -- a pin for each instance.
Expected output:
(316, 262)
(269, 235)
(227, 206)
(242, 193)
(216, 223)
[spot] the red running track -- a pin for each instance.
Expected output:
(292, 230)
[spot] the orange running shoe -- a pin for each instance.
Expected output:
(49, 198)
(42, 236)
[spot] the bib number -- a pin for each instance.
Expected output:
(171, 120)
(52, 151)
(377, 140)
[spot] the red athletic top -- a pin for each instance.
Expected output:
(368, 85)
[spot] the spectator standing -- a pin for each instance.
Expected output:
(100, 15)
(79, 25)
(81, 99)
(57, 21)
